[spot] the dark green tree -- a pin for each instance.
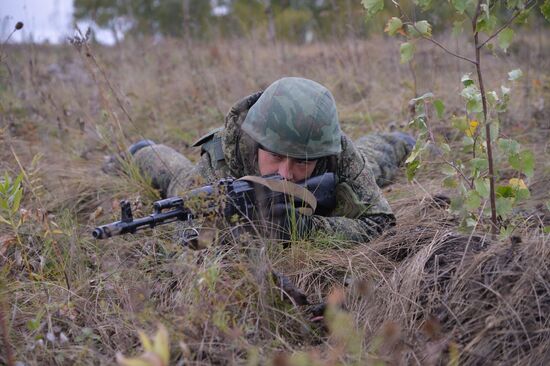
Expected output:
(149, 17)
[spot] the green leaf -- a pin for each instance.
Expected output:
(466, 80)
(522, 194)
(412, 169)
(470, 93)
(373, 7)
(482, 187)
(456, 203)
(505, 192)
(545, 9)
(515, 74)
(419, 123)
(505, 38)
(509, 146)
(450, 182)
(418, 148)
(523, 17)
(504, 206)
(486, 23)
(4, 205)
(16, 200)
(18, 180)
(33, 324)
(460, 123)
(479, 164)
(407, 51)
(473, 97)
(439, 108)
(523, 162)
(546, 229)
(6, 182)
(492, 97)
(473, 201)
(421, 28)
(474, 105)
(393, 25)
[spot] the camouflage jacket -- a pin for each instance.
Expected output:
(361, 213)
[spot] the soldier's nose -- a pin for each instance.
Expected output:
(285, 170)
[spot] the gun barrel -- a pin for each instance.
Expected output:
(123, 227)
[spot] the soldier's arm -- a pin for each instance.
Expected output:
(362, 212)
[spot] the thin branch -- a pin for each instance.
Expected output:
(492, 195)
(446, 49)
(433, 40)
(512, 18)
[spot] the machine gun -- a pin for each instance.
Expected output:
(244, 197)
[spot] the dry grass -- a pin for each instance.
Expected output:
(421, 294)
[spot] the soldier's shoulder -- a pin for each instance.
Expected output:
(211, 144)
(209, 136)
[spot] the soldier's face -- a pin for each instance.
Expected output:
(291, 169)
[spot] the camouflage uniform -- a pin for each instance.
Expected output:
(361, 212)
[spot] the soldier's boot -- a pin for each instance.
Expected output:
(112, 164)
(134, 148)
(408, 139)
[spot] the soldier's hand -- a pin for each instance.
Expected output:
(289, 222)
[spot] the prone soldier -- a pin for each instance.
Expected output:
(291, 129)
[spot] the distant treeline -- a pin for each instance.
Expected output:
(290, 20)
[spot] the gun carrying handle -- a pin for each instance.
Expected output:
(286, 187)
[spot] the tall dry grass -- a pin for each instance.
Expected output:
(421, 294)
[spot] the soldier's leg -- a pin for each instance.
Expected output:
(163, 164)
(385, 153)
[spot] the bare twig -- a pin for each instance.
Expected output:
(17, 27)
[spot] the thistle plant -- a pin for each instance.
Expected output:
(477, 177)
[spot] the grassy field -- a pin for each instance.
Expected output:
(421, 294)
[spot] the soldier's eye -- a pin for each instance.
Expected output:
(306, 162)
(276, 156)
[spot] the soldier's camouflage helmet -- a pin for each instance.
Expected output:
(295, 117)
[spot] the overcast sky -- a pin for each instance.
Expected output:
(45, 20)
